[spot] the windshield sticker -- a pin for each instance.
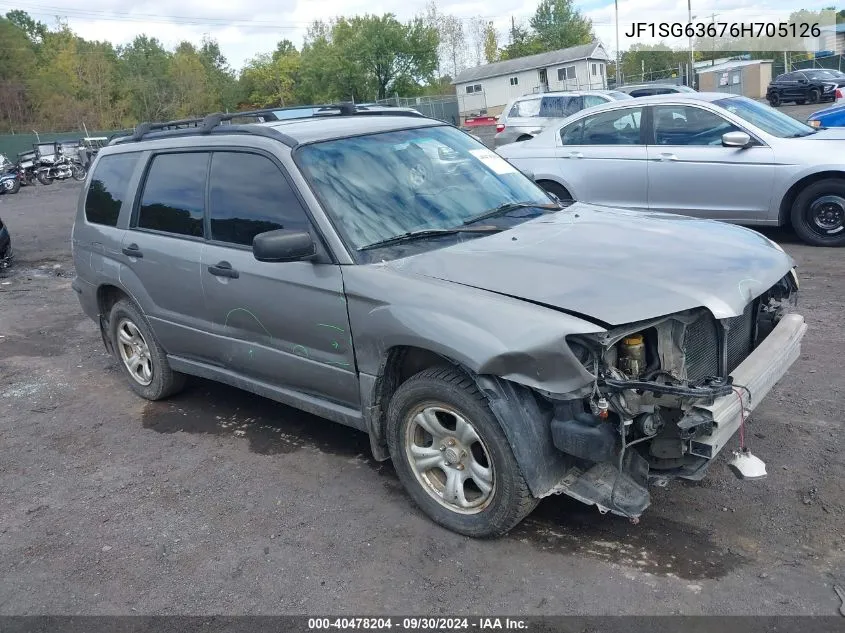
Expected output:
(495, 162)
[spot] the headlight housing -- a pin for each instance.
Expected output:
(814, 123)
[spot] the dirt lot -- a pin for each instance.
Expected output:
(221, 502)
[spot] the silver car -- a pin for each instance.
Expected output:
(525, 117)
(708, 155)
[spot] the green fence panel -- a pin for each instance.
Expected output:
(13, 144)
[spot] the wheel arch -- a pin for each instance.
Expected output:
(523, 415)
(791, 194)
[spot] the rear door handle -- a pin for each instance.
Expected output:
(224, 269)
(132, 251)
(576, 155)
(667, 156)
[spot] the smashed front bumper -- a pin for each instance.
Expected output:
(753, 380)
(627, 494)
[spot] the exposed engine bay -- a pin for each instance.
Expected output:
(646, 417)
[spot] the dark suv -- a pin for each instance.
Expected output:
(390, 273)
(803, 86)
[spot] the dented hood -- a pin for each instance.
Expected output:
(614, 266)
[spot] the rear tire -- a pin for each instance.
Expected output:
(813, 96)
(452, 456)
(78, 172)
(141, 357)
(43, 178)
(774, 100)
(818, 213)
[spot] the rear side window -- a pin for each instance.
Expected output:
(250, 195)
(108, 188)
(174, 194)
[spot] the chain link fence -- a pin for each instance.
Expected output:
(443, 107)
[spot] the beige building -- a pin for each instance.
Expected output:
(748, 77)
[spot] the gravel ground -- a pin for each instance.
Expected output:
(220, 502)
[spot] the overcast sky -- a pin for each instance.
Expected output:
(243, 30)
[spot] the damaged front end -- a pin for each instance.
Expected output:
(667, 395)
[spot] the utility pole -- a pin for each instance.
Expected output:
(616, 3)
(691, 77)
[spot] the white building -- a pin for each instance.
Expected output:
(491, 86)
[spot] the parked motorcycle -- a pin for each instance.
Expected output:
(54, 164)
(9, 181)
(26, 167)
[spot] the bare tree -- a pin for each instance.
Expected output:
(477, 28)
(452, 51)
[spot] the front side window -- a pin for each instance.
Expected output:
(108, 188)
(248, 195)
(174, 194)
(688, 125)
(379, 186)
(526, 108)
(617, 127)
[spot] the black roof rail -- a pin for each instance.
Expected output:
(211, 123)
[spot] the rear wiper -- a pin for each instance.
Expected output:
(511, 206)
(410, 236)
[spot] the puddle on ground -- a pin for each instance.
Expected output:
(656, 545)
(559, 525)
(271, 428)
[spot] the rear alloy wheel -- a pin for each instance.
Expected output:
(818, 213)
(813, 96)
(774, 100)
(144, 361)
(452, 456)
(77, 171)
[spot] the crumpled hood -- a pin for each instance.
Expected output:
(612, 265)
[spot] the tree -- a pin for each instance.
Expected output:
(388, 50)
(34, 30)
(558, 24)
(17, 61)
(145, 78)
(272, 78)
(491, 43)
(522, 43)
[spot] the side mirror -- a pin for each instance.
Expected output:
(283, 245)
(736, 139)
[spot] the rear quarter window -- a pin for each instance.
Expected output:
(108, 187)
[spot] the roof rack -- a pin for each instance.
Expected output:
(211, 122)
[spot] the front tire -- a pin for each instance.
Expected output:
(453, 457)
(813, 96)
(141, 357)
(43, 178)
(78, 172)
(818, 213)
(774, 100)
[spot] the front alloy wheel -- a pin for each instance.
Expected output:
(452, 456)
(449, 459)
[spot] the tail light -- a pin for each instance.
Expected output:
(500, 127)
(838, 94)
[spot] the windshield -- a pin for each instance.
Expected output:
(382, 185)
(764, 117)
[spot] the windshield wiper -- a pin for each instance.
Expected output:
(410, 236)
(803, 134)
(511, 206)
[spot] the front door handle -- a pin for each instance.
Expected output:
(576, 155)
(666, 156)
(224, 269)
(132, 251)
